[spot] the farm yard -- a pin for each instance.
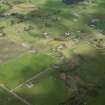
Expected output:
(52, 52)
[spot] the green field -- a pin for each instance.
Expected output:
(52, 53)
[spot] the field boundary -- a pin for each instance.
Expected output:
(15, 95)
(30, 79)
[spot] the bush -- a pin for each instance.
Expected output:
(3, 8)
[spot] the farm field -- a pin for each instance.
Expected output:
(52, 52)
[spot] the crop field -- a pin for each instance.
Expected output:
(52, 52)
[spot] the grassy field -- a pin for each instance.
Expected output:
(41, 40)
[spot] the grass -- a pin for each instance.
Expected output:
(23, 68)
(7, 98)
(47, 89)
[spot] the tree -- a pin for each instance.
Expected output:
(71, 1)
